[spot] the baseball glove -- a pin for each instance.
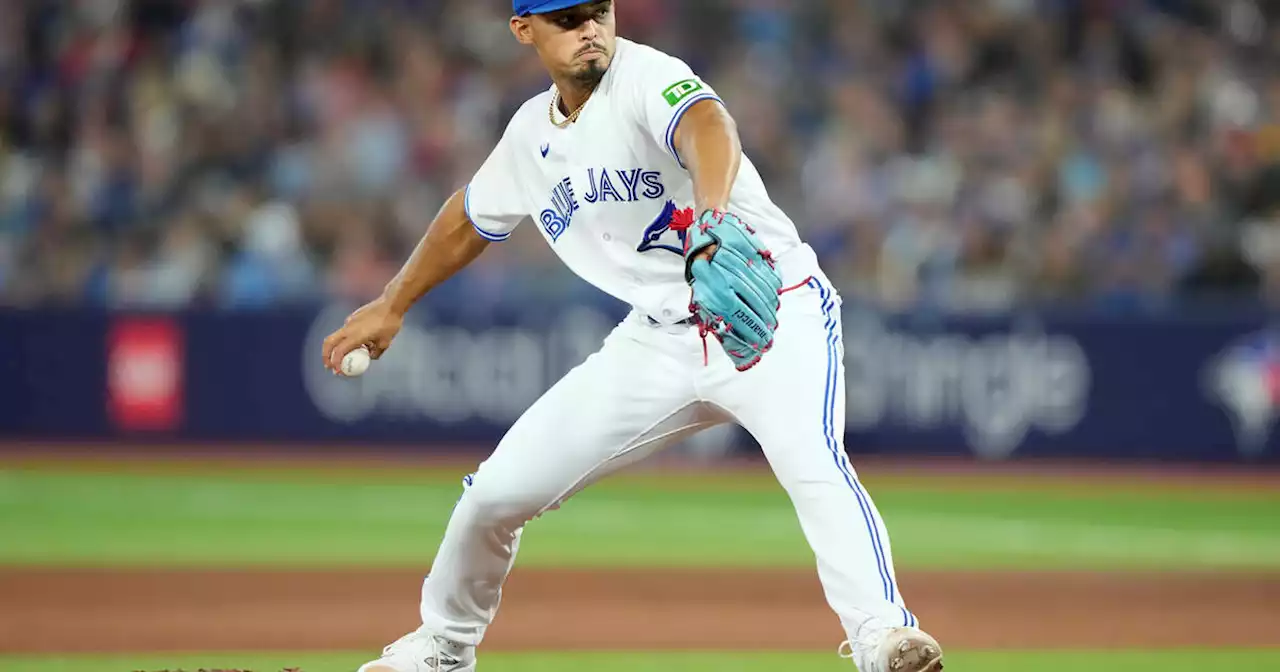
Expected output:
(735, 291)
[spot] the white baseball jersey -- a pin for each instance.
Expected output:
(602, 190)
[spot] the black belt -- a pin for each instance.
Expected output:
(686, 322)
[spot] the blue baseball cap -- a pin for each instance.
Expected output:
(527, 7)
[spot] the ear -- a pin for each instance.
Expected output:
(522, 29)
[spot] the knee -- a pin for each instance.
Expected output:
(491, 503)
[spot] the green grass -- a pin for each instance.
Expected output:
(48, 516)
(1004, 661)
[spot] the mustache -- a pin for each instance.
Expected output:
(590, 47)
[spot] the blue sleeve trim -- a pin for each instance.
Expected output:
(466, 207)
(675, 121)
(489, 236)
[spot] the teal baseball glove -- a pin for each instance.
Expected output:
(735, 291)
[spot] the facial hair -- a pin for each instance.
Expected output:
(592, 71)
(591, 74)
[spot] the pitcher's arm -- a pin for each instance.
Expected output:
(450, 243)
(708, 143)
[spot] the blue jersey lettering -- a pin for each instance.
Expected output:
(631, 180)
(556, 219)
(653, 183)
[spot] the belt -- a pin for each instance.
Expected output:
(686, 322)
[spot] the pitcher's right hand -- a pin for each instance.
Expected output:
(374, 325)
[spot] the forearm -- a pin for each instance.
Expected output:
(708, 142)
(448, 246)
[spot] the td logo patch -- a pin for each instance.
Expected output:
(680, 90)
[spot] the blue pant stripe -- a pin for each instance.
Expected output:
(828, 415)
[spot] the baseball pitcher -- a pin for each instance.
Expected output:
(631, 168)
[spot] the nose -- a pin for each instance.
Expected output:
(589, 31)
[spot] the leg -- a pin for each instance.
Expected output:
(622, 404)
(792, 402)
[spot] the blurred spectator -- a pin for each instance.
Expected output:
(969, 156)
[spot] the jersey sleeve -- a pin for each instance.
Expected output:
(666, 88)
(494, 200)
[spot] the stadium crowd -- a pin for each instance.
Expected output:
(968, 156)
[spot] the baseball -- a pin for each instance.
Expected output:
(356, 362)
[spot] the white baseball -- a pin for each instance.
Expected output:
(356, 362)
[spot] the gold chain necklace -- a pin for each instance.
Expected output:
(572, 117)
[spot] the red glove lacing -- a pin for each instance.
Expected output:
(681, 220)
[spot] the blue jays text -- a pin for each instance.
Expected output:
(604, 185)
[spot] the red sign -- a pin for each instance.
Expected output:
(144, 374)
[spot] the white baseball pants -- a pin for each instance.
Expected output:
(646, 387)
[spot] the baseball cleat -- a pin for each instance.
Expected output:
(420, 651)
(899, 650)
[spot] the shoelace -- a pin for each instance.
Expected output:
(386, 650)
(437, 658)
(848, 643)
(441, 659)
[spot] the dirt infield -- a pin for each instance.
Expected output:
(960, 473)
(161, 610)
(62, 610)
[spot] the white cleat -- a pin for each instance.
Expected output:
(420, 651)
(898, 650)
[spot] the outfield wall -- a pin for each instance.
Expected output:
(1055, 385)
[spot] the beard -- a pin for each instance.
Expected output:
(589, 76)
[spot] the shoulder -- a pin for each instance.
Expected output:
(640, 62)
(645, 74)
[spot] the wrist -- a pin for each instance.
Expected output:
(703, 207)
(395, 301)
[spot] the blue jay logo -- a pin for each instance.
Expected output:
(1245, 380)
(654, 233)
